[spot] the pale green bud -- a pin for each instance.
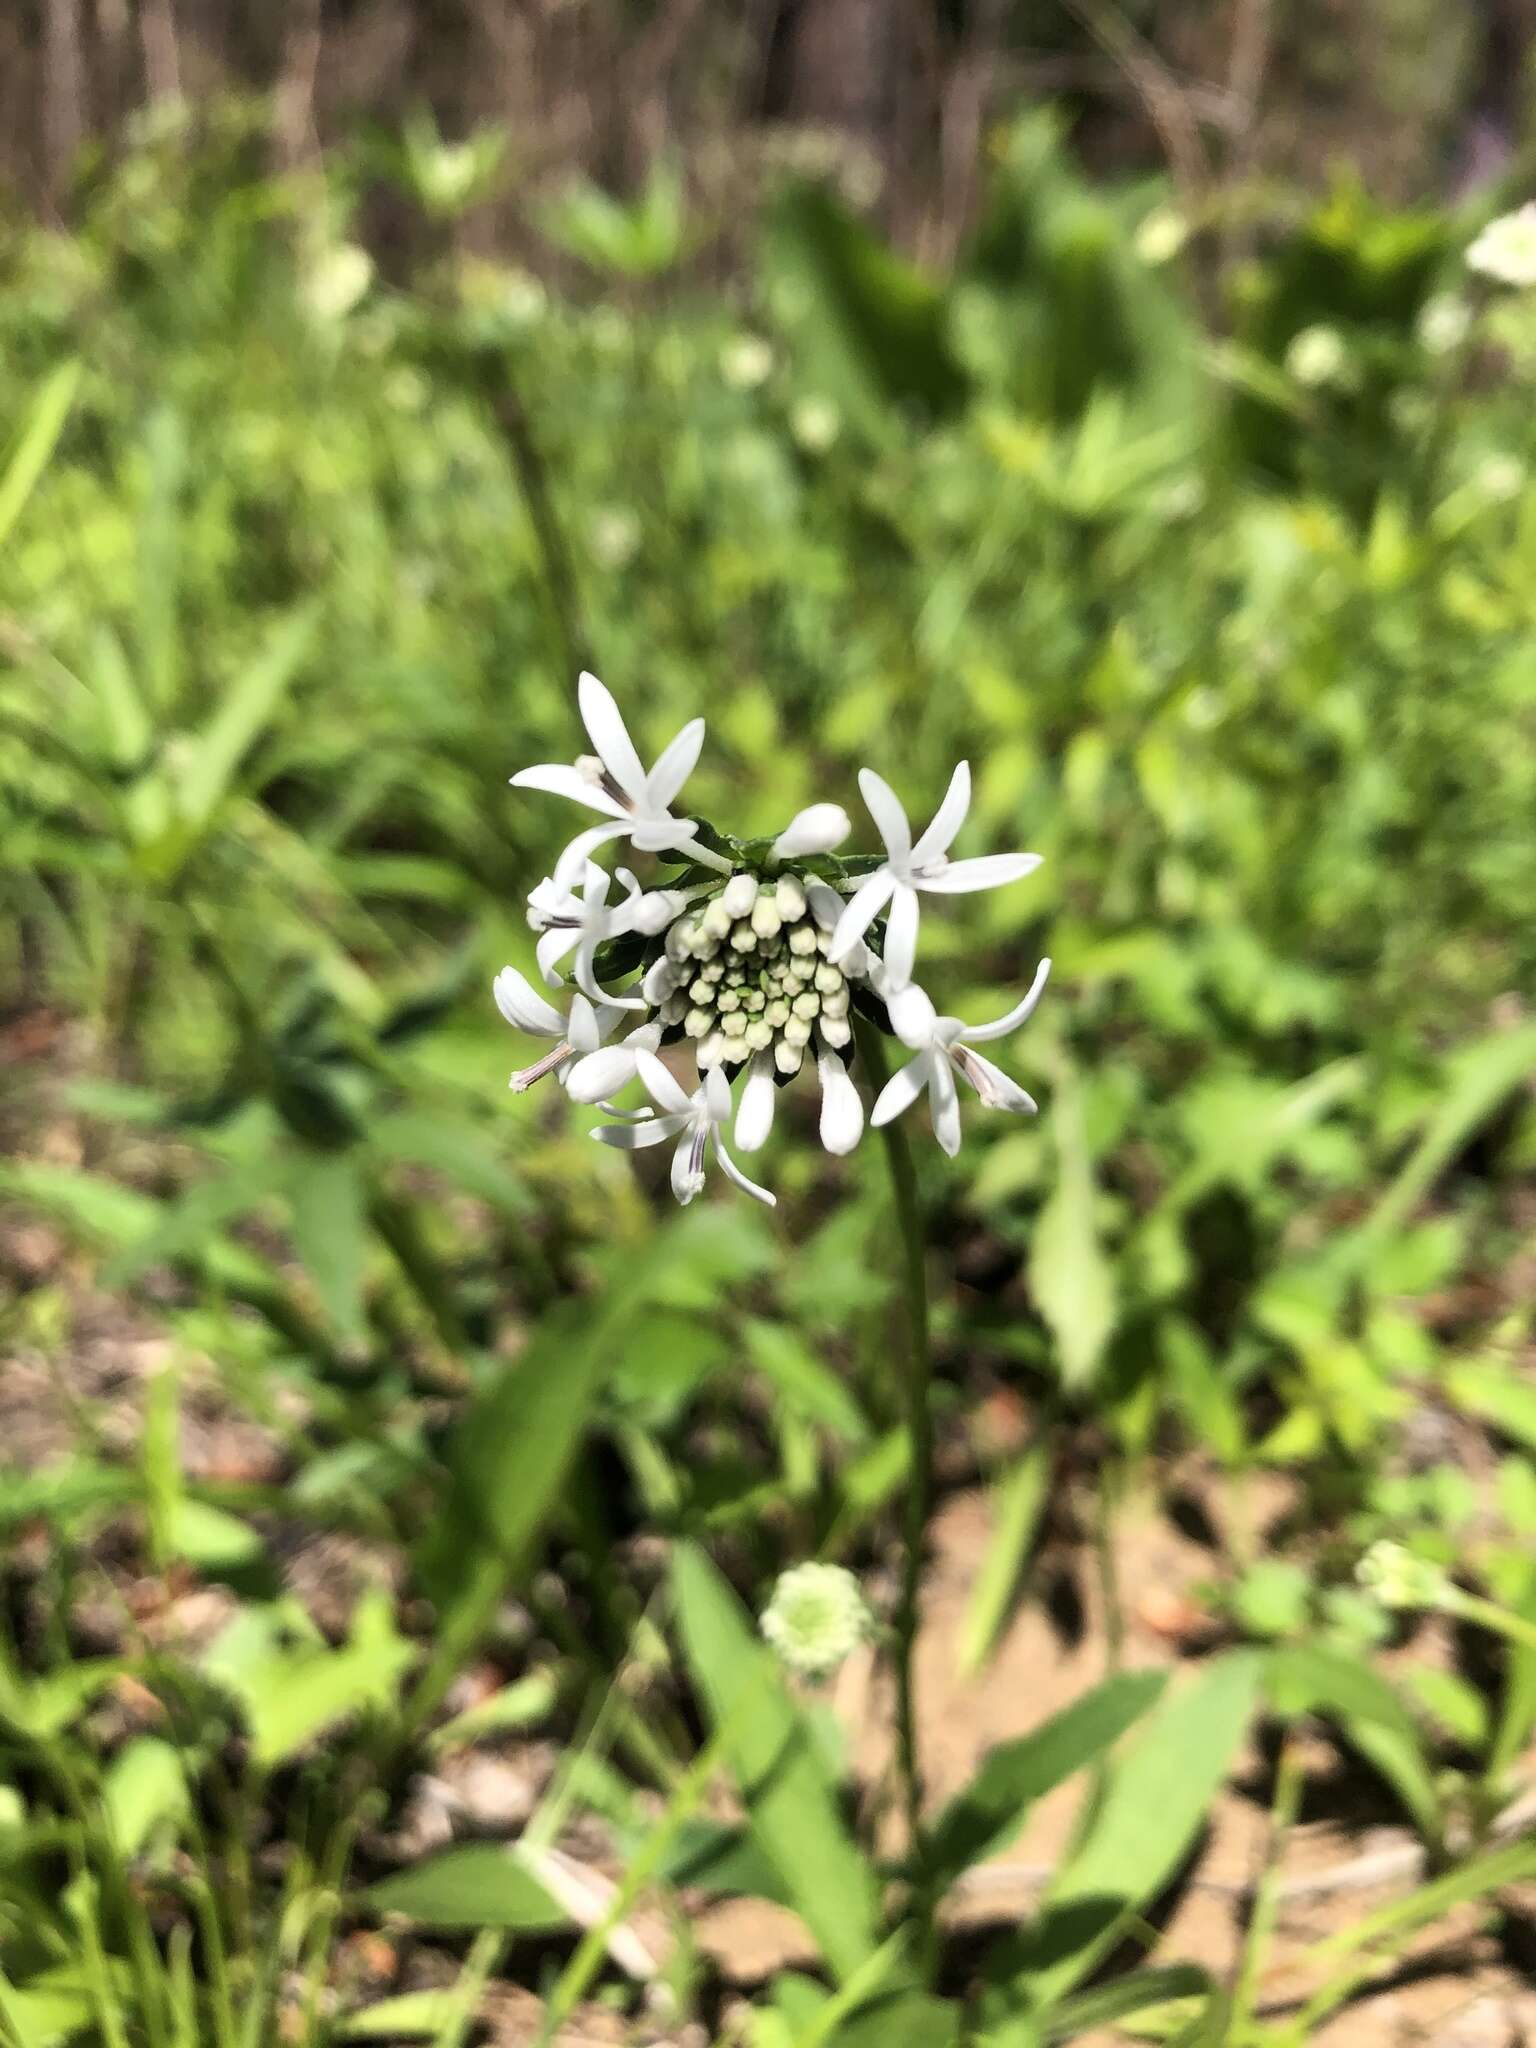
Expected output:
(816, 1619)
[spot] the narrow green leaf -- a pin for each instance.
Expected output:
(1070, 1277)
(1319, 1678)
(782, 1355)
(481, 1884)
(1017, 1502)
(988, 1814)
(247, 708)
(34, 445)
(1481, 1075)
(1135, 1992)
(330, 1233)
(791, 1799)
(413, 2016)
(143, 1788)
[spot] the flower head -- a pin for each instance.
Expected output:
(1506, 248)
(756, 959)
(1399, 1579)
(1318, 356)
(816, 1618)
(921, 865)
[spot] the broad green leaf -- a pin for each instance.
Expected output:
(1481, 1075)
(782, 1355)
(1155, 1800)
(1070, 1276)
(291, 1691)
(249, 704)
(144, 1787)
(479, 1885)
(724, 1860)
(791, 1801)
(1497, 1394)
(989, 1813)
(29, 455)
(518, 1705)
(329, 1201)
(1320, 1678)
(211, 1538)
(1017, 1503)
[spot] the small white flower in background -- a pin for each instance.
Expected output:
(754, 957)
(1399, 1579)
(614, 536)
(746, 362)
(1506, 248)
(1318, 356)
(943, 1048)
(1500, 478)
(816, 1618)
(815, 424)
(1444, 323)
(337, 280)
(1161, 236)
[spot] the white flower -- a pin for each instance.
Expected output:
(1161, 235)
(816, 1618)
(695, 1120)
(1318, 356)
(943, 1046)
(577, 1035)
(1506, 248)
(583, 923)
(817, 829)
(603, 1072)
(907, 868)
(815, 424)
(1500, 477)
(746, 362)
(1444, 323)
(637, 803)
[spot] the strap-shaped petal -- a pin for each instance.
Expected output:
(674, 765)
(551, 950)
(996, 1089)
(902, 1090)
(754, 1115)
(979, 1034)
(947, 819)
(986, 871)
(842, 1107)
(884, 807)
(575, 857)
(900, 954)
(610, 736)
(524, 1008)
(734, 1174)
(944, 1105)
(558, 778)
(662, 1086)
(635, 1137)
(859, 913)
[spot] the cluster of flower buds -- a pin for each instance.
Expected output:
(757, 954)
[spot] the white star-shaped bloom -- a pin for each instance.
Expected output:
(943, 1048)
(637, 804)
(909, 868)
(576, 1036)
(581, 924)
(696, 1122)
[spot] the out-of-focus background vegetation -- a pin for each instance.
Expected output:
(1096, 392)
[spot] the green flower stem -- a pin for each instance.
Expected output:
(898, 1159)
(1490, 1615)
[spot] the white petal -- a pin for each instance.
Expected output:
(947, 819)
(754, 1117)
(717, 1096)
(996, 1089)
(902, 1090)
(582, 1025)
(900, 952)
(979, 1034)
(884, 807)
(816, 829)
(734, 1173)
(674, 764)
(585, 978)
(635, 1137)
(654, 911)
(987, 871)
(824, 904)
(600, 1074)
(842, 1107)
(944, 1106)
(913, 1018)
(662, 979)
(610, 736)
(688, 1161)
(560, 779)
(859, 913)
(574, 859)
(662, 1085)
(551, 949)
(524, 1008)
